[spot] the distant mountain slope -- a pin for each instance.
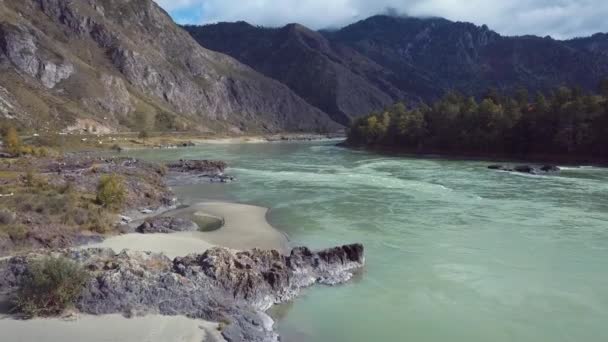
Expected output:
(305, 61)
(365, 65)
(471, 58)
(331, 76)
(125, 63)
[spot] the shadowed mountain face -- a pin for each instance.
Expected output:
(331, 76)
(122, 64)
(371, 63)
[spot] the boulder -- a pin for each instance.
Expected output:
(550, 168)
(524, 169)
(529, 169)
(201, 167)
(166, 225)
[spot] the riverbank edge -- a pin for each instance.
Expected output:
(210, 328)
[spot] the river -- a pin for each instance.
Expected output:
(455, 252)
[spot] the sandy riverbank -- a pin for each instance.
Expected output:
(109, 328)
(245, 227)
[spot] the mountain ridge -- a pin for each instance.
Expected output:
(408, 59)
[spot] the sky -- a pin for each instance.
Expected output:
(558, 18)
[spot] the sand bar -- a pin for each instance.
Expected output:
(245, 227)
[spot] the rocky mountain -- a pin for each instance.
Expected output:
(124, 64)
(382, 59)
(331, 76)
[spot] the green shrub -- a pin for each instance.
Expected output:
(49, 286)
(111, 192)
(100, 221)
(12, 142)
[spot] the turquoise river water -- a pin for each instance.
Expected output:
(455, 252)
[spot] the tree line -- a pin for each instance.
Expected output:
(565, 122)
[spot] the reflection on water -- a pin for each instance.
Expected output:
(455, 252)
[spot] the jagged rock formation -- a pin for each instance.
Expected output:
(124, 63)
(220, 285)
(368, 64)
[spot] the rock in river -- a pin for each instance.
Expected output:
(534, 170)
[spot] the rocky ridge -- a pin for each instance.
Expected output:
(364, 66)
(219, 285)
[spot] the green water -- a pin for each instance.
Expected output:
(455, 252)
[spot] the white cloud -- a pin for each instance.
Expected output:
(171, 5)
(559, 18)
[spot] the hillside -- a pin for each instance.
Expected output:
(361, 67)
(124, 64)
(331, 76)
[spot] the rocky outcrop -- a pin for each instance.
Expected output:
(201, 167)
(195, 171)
(166, 225)
(530, 169)
(20, 47)
(219, 285)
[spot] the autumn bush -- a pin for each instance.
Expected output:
(49, 286)
(111, 192)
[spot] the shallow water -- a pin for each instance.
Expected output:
(455, 252)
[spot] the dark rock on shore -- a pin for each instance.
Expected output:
(201, 167)
(534, 170)
(219, 285)
(166, 225)
(194, 171)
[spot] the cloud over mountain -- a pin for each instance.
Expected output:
(559, 18)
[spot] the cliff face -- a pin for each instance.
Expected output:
(368, 64)
(124, 63)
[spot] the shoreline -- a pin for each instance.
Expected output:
(171, 142)
(244, 227)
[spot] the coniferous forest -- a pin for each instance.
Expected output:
(566, 122)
